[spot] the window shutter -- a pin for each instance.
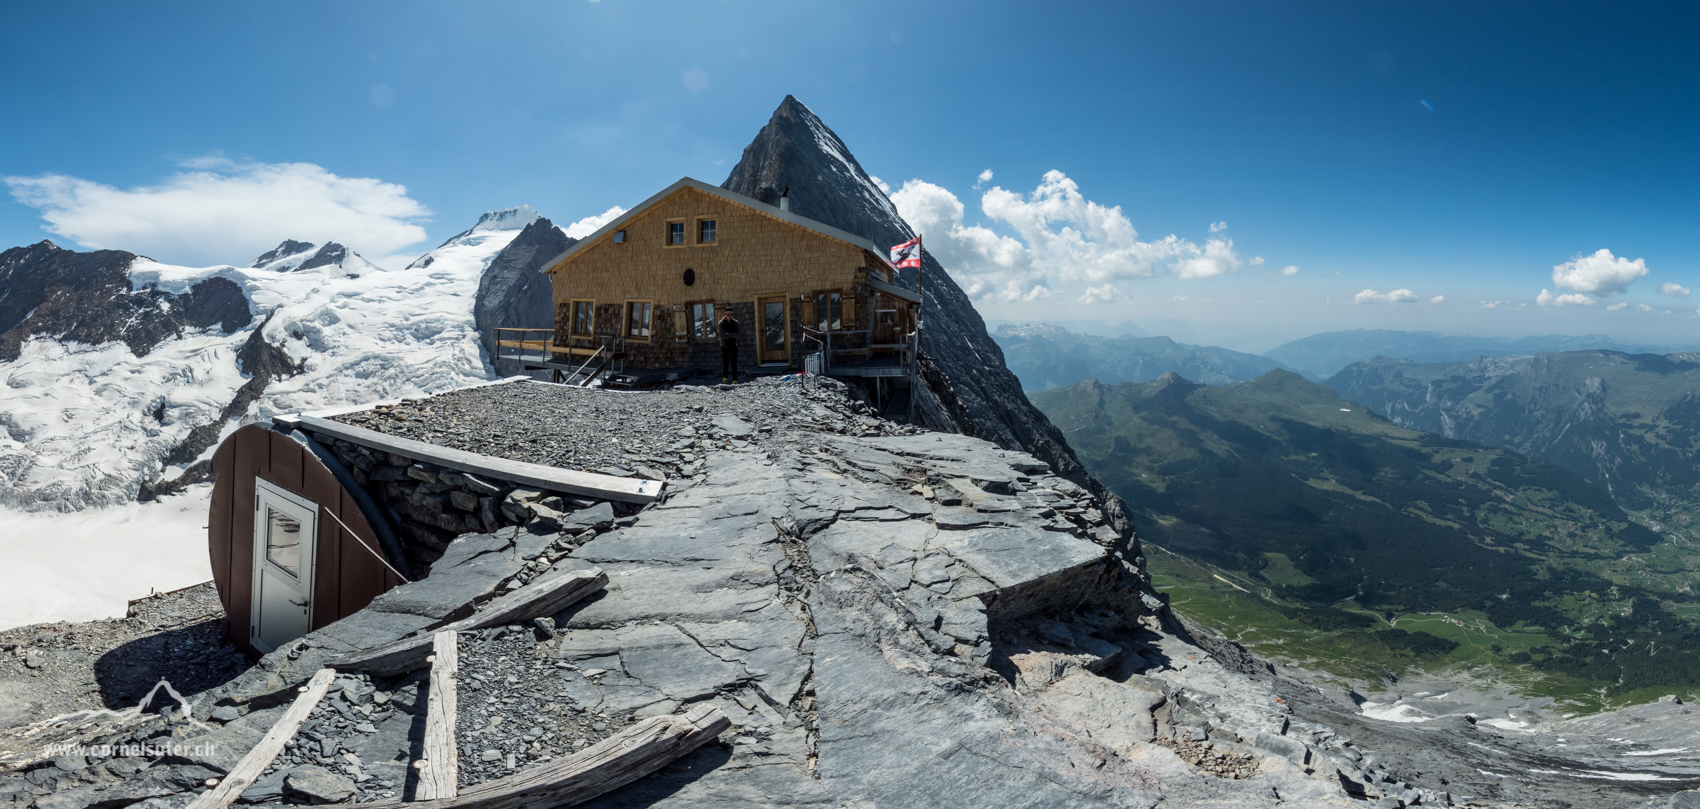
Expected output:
(681, 323)
(809, 321)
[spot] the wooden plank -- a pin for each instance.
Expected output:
(599, 769)
(219, 519)
(566, 481)
(440, 777)
(364, 577)
(531, 601)
(249, 769)
(321, 487)
(285, 468)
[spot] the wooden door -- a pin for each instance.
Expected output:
(773, 329)
(285, 532)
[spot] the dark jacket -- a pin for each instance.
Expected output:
(728, 331)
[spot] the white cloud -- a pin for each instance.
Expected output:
(694, 80)
(1617, 307)
(1396, 296)
(1256, 261)
(1548, 299)
(1437, 299)
(590, 224)
(1673, 290)
(1218, 227)
(985, 177)
(1292, 269)
(884, 188)
(1107, 293)
(221, 211)
(1601, 274)
(1058, 232)
(1641, 307)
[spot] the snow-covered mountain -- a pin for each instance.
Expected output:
(120, 374)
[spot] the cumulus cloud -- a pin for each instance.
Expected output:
(1437, 299)
(1396, 296)
(1617, 307)
(1108, 293)
(222, 211)
(1256, 261)
(1218, 227)
(1673, 290)
(1600, 274)
(1058, 232)
(1292, 269)
(884, 187)
(1548, 299)
(985, 177)
(1641, 307)
(590, 224)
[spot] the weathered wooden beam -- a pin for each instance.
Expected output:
(440, 777)
(531, 601)
(249, 769)
(608, 765)
(567, 481)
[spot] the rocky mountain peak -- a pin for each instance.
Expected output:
(294, 256)
(290, 247)
(514, 218)
(967, 387)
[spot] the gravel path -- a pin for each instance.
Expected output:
(648, 433)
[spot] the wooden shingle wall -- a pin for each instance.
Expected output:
(755, 255)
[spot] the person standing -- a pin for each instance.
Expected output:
(728, 329)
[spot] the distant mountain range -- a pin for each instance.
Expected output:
(1630, 423)
(1327, 353)
(1045, 356)
(1318, 500)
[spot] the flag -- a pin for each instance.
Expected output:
(907, 254)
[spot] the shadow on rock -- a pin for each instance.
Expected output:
(191, 659)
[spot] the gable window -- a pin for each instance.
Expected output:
(706, 231)
(584, 317)
(637, 319)
(675, 234)
(829, 311)
(702, 321)
(619, 237)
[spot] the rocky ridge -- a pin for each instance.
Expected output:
(906, 619)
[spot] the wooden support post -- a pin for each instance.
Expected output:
(610, 764)
(531, 601)
(249, 769)
(440, 777)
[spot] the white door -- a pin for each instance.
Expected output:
(285, 525)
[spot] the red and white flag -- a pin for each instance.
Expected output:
(907, 254)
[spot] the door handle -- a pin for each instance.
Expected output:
(301, 604)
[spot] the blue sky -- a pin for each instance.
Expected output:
(1459, 150)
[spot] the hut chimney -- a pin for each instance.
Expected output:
(785, 198)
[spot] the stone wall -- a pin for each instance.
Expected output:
(430, 505)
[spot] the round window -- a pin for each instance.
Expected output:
(690, 277)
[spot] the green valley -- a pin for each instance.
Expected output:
(1327, 534)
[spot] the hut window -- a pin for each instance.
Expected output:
(706, 231)
(829, 310)
(584, 316)
(675, 234)
(637, 319)
(619, 237)
(283, 541)
(703, 326)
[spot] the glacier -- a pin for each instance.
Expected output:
(85, 426)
